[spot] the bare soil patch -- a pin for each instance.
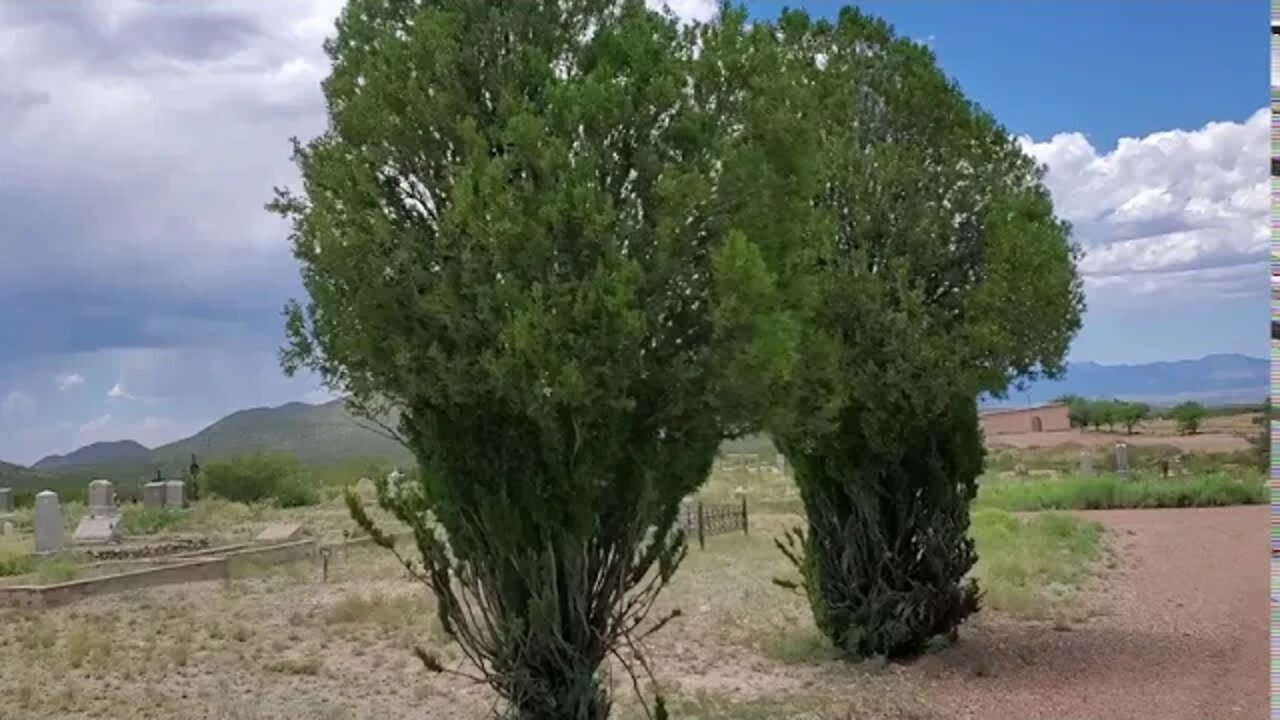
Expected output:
(1175, 630)
(1180, 632)
(1204, 442)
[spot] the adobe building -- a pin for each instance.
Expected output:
(1040, 418)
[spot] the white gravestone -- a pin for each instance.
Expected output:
(97, 529)
(6, 500)
(153, 495)
(1086, 463)
(48, 522)
(102, 499)
(175, 494)
(1122, 458)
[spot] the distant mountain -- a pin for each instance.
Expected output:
(316, 434)
(19, 477)
(1215, 379)
(99, 452)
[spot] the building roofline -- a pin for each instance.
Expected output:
(1002, 411)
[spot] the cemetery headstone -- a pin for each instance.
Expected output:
(7, 529)
(175, 494)
(6, 500)
(1122, 458)
(97, 529)
(279, 532)
(1086, 463)
(101, 498)
(153, 495)
(48, 522)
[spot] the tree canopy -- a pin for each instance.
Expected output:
(949, 275)
(553, 239)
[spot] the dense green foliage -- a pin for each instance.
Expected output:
(553, 241)
(261, 477)
(1086, 412)
(949, 276)
(1188, 415)
(138, 520)
(1110, 491)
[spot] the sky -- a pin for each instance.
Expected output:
(141, 281)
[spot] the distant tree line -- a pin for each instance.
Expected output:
(1111, 413)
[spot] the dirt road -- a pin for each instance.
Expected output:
(1182, 632)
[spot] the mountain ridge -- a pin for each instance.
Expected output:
(98, 452)
(328, 433)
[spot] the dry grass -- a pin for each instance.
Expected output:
(276, 642)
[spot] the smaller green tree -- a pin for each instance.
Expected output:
(1079, 410)
(1130, 414)
(1108, 412)
(261, 477)
(1188, 415)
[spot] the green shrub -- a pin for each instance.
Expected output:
(1112, 491)
(260, 477)
(15, 559)
(293, 492)
(138, 520)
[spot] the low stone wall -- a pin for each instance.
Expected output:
(193, 570)
(45, 596)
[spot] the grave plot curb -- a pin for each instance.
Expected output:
(195, 570)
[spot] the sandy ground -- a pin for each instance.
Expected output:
(1181, 633)
(1202, 442)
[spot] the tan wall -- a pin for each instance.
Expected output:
(1052, 418)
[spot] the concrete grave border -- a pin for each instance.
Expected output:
(194, 569)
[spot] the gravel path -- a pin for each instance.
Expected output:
(1181, 632)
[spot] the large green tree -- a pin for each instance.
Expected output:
(949, 276)
(553, 241)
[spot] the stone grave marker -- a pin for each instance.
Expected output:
(48, 522)
(102, 499)
(1122, 458)
(7, 529)
(6, 500)
(97, 529)
(153, 495)
(280, 532)
(175, 494)
(1086, 463)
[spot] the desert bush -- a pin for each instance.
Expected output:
(539, 242)
(949, 277)
(260, 477)
(138, 520)
(886, 553)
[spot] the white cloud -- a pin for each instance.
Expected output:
(695, 10)
(1167, 213)
(319, 396)
(118, 391)
(69, 381)
(95, 424)
(16, 402)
